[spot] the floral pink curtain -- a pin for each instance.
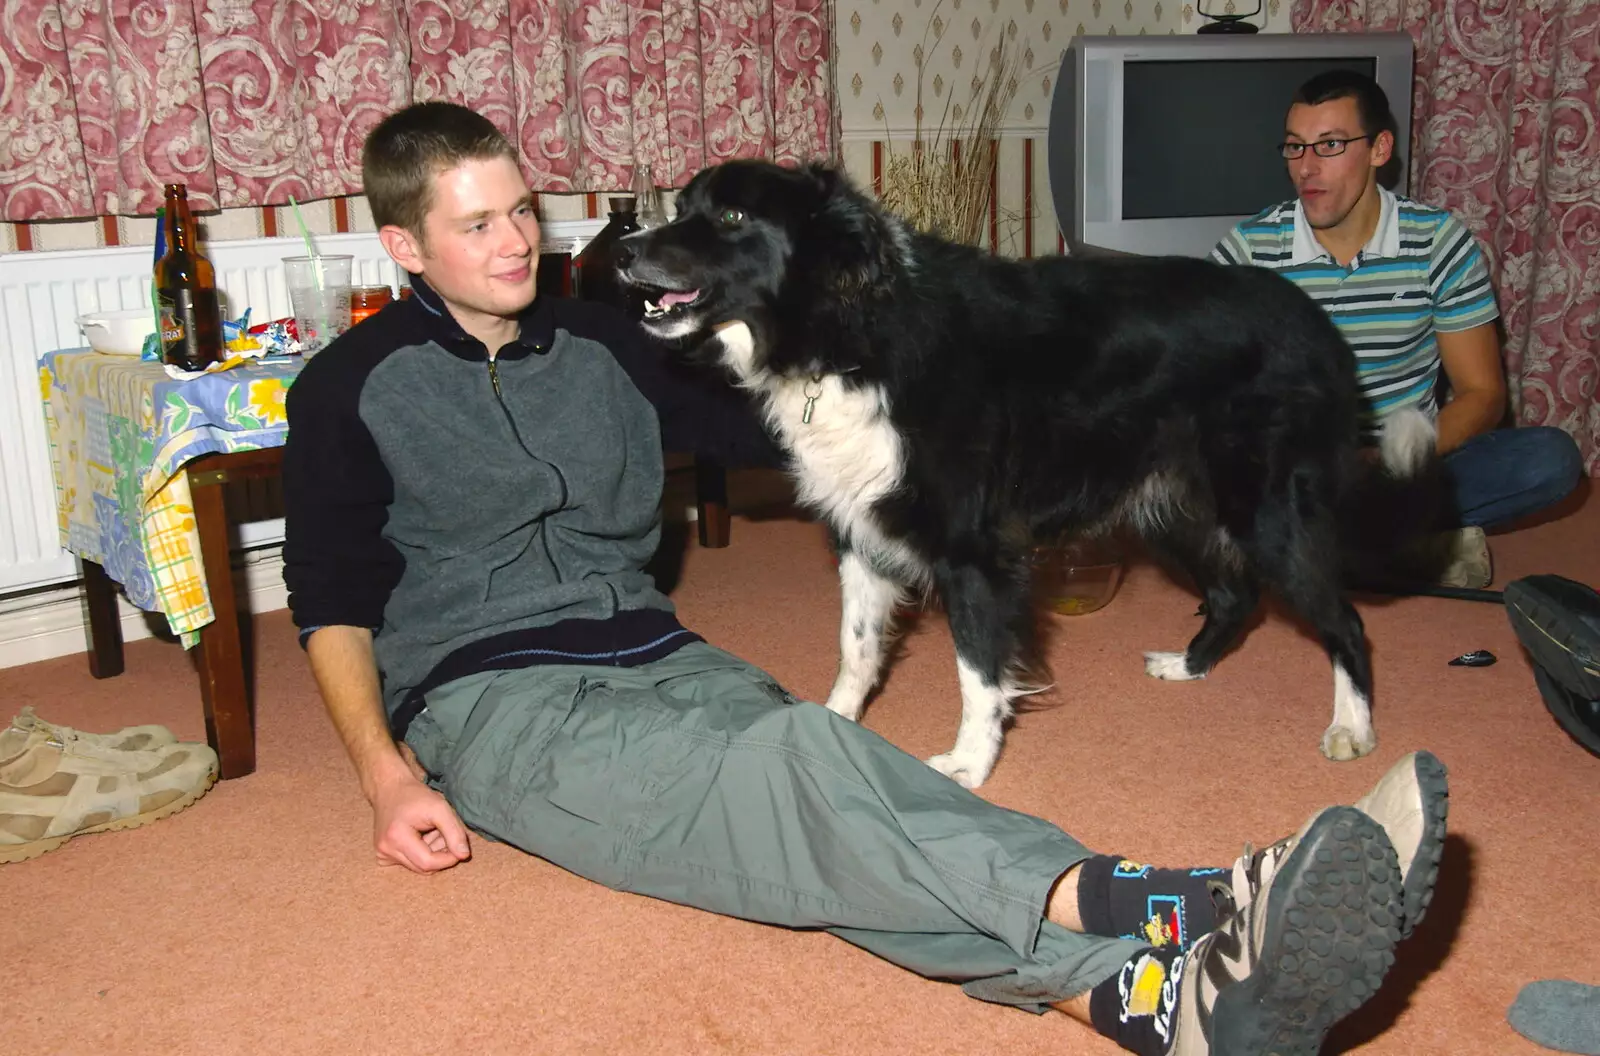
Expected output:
(1506, 135)
(252, 101)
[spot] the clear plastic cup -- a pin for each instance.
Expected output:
(321, 303)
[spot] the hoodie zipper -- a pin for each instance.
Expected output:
(516, 434)
(494, 383)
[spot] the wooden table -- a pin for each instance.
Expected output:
(225, 689)
(140, 460)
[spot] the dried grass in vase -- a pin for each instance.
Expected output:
(944, 183)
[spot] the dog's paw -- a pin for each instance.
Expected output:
(1170, 667)
(845, 707)
(965, 770)
(1342, 744)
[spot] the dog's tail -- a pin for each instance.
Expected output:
(1394, 501)
(1407, 443)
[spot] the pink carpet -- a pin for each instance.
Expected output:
(256, 921)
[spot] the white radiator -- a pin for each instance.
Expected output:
(42, 294)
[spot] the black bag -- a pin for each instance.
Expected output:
(1558, 622)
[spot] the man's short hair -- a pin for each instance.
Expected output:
(1372, 108)
(1372, 105)
(412, 146)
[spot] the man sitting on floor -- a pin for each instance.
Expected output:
(473, 487)
(1408, 287)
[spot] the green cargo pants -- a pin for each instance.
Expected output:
(698, 780)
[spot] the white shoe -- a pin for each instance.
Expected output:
(1308, 942)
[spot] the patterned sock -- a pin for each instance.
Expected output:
(1136, 1008)
(1118, 898)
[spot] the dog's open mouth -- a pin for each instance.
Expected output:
(667, 303)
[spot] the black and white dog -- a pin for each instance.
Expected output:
(945, 410)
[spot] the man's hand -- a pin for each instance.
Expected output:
(415, 827)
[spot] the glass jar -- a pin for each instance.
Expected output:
(367, 300)
(1076, 575)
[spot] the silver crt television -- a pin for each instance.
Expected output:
(1158, 145)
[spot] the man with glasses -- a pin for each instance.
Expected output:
(1409, 289)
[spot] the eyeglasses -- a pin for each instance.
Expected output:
(1322, 148)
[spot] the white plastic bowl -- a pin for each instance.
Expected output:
(120, 332)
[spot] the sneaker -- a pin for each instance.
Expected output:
(1411, 802)
(1311, 941)
(53, 788)
(127, 739)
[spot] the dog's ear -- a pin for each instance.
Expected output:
(848, 238)
(825, 179)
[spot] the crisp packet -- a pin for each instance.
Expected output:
(236, 335)
(279, 337)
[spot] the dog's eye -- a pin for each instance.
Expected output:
(731, 218)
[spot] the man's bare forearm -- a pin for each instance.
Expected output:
(1464, 417)
(347, 674)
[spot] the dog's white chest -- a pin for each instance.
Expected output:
(847, 454)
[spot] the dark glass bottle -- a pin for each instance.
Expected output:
(186, 288)
(596, 266)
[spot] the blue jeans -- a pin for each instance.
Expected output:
(1499, 476)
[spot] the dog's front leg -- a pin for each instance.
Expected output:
(986, 608)
(868, 601)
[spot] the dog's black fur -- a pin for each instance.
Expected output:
(998, 403)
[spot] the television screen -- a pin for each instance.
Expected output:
(1200, 138)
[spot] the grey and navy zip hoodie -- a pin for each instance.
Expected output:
(481, 513)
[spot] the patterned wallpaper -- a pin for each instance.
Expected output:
(880, 44)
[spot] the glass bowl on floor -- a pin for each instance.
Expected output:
(1074, 576)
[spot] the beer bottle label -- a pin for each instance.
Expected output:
(186, 325)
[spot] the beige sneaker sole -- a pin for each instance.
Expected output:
(22, 852)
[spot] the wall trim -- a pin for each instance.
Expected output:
(48, 624)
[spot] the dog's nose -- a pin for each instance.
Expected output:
(623, 253)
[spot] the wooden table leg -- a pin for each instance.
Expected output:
(224, 689)
(711, 502)
(105, 623)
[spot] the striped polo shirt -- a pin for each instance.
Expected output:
(1420, 273)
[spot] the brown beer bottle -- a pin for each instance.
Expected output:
(186, 287)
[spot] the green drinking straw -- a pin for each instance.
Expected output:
(305, 232)
(316, 264)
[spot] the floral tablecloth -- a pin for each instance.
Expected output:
(120, 432)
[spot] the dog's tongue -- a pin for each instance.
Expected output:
(673, 297)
